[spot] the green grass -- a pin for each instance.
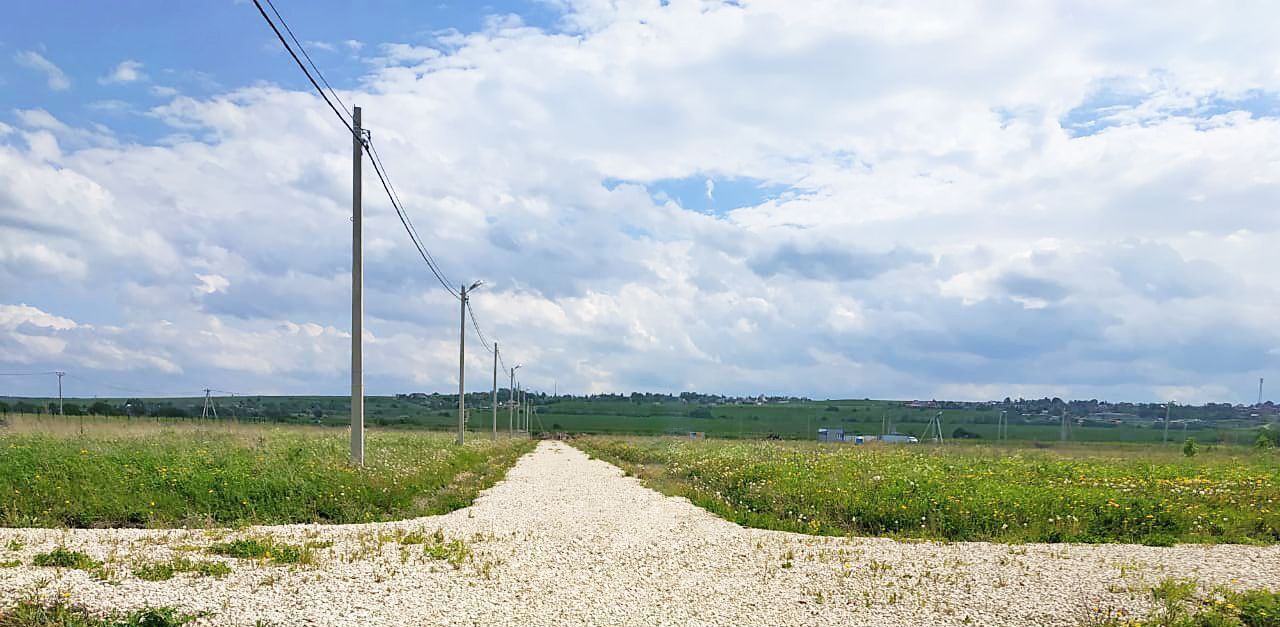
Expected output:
(61, 557)
(162, 571)
(1148, 495)
(1177, 605)
(31, 613)
(167, 476)
(265, 548)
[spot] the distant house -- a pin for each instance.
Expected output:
(830, 435)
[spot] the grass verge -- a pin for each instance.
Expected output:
(193, 477)
(963, 493)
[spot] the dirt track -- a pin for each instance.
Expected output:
(569, 540)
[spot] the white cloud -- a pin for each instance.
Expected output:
(945, 230)
(57, 79)
(128, 71)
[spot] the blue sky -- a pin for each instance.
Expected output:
(914, 201)
(202, 49)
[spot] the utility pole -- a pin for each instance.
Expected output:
(60, 375)
(1064, 424)
(208, 406)
(1259, 391)
(511, 401)
(357, 294)
(462, 371)
(495, 391)
(464, 292)
(1168, 409)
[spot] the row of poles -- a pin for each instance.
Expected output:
(518, 398)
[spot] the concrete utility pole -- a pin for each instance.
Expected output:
(511, 401)
(1168, 408)
(495, 391)
(464, 292)
(357, 295)
(60, 375)
(1064, 424)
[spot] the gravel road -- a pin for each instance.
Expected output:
(569, 540)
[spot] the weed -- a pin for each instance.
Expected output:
(265, 548)
(161, 571)
(34, 613)
(455, 551)
(62, 557)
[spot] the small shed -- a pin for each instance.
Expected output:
(830, 435)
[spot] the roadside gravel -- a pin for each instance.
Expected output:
(565, 539)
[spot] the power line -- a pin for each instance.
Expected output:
(375, 159)
(408, 224)
(308, 57)
(293, 54)
(476, 325)
(26, 374)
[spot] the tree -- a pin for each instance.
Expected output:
(832, 408)
(1263, 441)
(964, 434)
(4, 408)
(101, 408)
(135, 407)
(1189, 447)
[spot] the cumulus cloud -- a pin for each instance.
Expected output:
(980, 201)
(57, 79)
(128, 71)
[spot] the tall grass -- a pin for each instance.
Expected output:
(164, 475)
(1134, 494)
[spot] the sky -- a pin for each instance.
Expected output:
(835, 199)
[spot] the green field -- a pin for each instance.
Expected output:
(787, 420)
(165, 474)
(961, 492)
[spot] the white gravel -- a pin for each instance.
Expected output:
(569, 540)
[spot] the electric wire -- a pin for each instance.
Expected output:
(303, 67)
(483, 342)
(378, 167)
(302, 48)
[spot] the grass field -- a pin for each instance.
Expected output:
(161, 474)
(791, 420)
(1120, 493)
